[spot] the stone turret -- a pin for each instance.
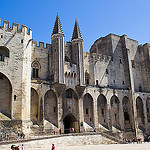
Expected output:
(77, 52)
(57, 70)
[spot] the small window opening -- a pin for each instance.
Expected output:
(112, 58)
(120, 61)
(87, 112)
(106, 71)
(97, 82)
(21, 41)
(104, 120)
(115, 117)
(102, 111)
(114, 81)
(140, 89)
(54, 109)
(1, 36)
(68, 94)
(15, 97)
(148, 110)
(123, 82)
(90, 119)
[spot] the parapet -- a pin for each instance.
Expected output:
(15, 27)
(41, 45)
(101, 57)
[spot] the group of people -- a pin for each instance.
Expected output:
(20, 135)
(4, 137)
(14, 147)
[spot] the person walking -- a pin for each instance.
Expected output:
(53, 146)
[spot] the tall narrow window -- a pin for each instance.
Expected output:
(97, 82)
(35, 70)
(87, 111)
(69, 94)
(87, 78)
(106, 71)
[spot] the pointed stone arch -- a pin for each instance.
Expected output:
(140, 111)
(102, 110)
(114, 102)
(34, 109)
(88, 109)
(5, 96)
(126, 112)
(70, 103)
(70, 121)
(4, 52)
(51, 107)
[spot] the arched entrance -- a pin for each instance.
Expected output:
(102, 110)
(70, 124)
(88, 109)
(115, 111)
(34, 106)
(126, 112)
(5, 96)
(50, 107)
(140, 113)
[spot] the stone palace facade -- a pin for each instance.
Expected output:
(59, 86)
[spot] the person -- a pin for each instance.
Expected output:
(60, 131)
(53, 146)
(18, 135)
(22, 147)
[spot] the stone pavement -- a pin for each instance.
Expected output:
(143, 146)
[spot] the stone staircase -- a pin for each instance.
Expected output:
(74, 139)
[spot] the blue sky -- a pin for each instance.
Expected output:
(96, 18)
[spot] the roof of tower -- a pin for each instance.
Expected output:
(57, 26)
(76, 31)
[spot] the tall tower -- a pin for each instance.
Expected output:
(58, 52)
(77, 53)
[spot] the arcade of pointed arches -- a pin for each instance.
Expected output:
(71, 110)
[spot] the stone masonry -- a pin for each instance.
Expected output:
(43, 88)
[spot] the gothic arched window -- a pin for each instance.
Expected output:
(35, 70)
(4, 52)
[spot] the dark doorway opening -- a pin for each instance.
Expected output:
(70, 124)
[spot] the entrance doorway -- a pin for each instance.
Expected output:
(70, 124)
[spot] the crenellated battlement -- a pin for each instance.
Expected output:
(15, 28)
(100, 57)
(41, 45)
(86, 54)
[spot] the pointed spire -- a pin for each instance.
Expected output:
(57, 26)
(76, 31)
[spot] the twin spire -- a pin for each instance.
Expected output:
(57, 26)
(58, 29)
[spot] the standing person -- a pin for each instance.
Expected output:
(60, 131)
(22, 147)
(18, 135)
(53, 147)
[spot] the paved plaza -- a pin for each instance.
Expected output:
(143, 146)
